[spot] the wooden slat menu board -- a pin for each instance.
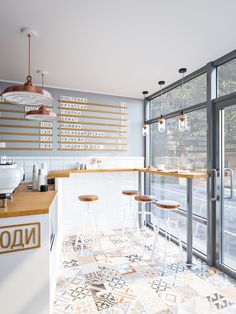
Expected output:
(91, 126)
(80, 126)
(20, 134)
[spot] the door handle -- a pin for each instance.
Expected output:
(230, 171)
(214, 175)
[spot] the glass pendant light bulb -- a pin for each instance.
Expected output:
(182, 119)
(183, 124)
(161, 121)
(161, 124)
(145, 129)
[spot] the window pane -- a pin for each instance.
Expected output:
(176, 150)
(181, 150)
(226, 78)
(228, 216)
(199, 229)
(194, 93)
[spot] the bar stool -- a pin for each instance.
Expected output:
(88, 214)
(143, 199)
(128, 207)
(167, 206)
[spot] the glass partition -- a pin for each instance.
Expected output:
(181, 150)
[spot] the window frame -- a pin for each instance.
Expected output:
(211, 70)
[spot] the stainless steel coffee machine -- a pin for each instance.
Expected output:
(10, 177)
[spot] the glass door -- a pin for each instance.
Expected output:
(226, 202)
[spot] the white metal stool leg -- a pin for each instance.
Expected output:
(167, 229)
(88, 214)
(138, 218)
(179, 240)
(156, 239)
(84, 230)
(128, 207)
(141, 216)
(168, 206)
(92, 218)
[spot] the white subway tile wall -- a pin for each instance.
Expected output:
(63, 163)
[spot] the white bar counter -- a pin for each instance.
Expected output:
(108, 185)
(29, 253)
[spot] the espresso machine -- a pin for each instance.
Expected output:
(10, 177)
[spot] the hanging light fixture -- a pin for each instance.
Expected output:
(145, 126)
(42, 113)
(183, 123)
(27, 94)
(161, 121)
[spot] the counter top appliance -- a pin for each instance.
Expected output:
(10, 177)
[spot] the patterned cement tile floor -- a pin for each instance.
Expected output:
(123, 279)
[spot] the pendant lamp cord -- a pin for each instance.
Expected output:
(161, 102)
(182, 88)
(29, 78)
(42, 80)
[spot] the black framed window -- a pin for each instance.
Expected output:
(195, 91)
(226, 78)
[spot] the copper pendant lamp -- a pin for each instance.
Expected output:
(42, 113)
(27, 94)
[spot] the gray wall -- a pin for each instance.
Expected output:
(135, 121)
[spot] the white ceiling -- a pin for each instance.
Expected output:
(118, 47)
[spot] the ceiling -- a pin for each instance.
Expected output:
(117, 47)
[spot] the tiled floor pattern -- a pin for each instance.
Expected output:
(123, 279)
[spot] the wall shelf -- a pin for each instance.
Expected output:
(94, 130)
(90, 104)
(23, 141)
(90, 117)
(94, 149)
(93, 110)
(78, 124)
(24, 126)
(88, 143)
(24, 148)
(92, 123)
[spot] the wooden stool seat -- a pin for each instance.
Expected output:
(130, 192)
(144, 198)
(88, 198)
(167, 204)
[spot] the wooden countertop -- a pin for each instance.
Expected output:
(179, 174)
(28, 203)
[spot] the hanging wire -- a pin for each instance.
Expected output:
(161, 102)
(182, 89)
(42, 80)
(29, 77)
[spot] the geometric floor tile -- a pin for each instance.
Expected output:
(104, 300)
(220, 302)
(79, 292)
(124, 279)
